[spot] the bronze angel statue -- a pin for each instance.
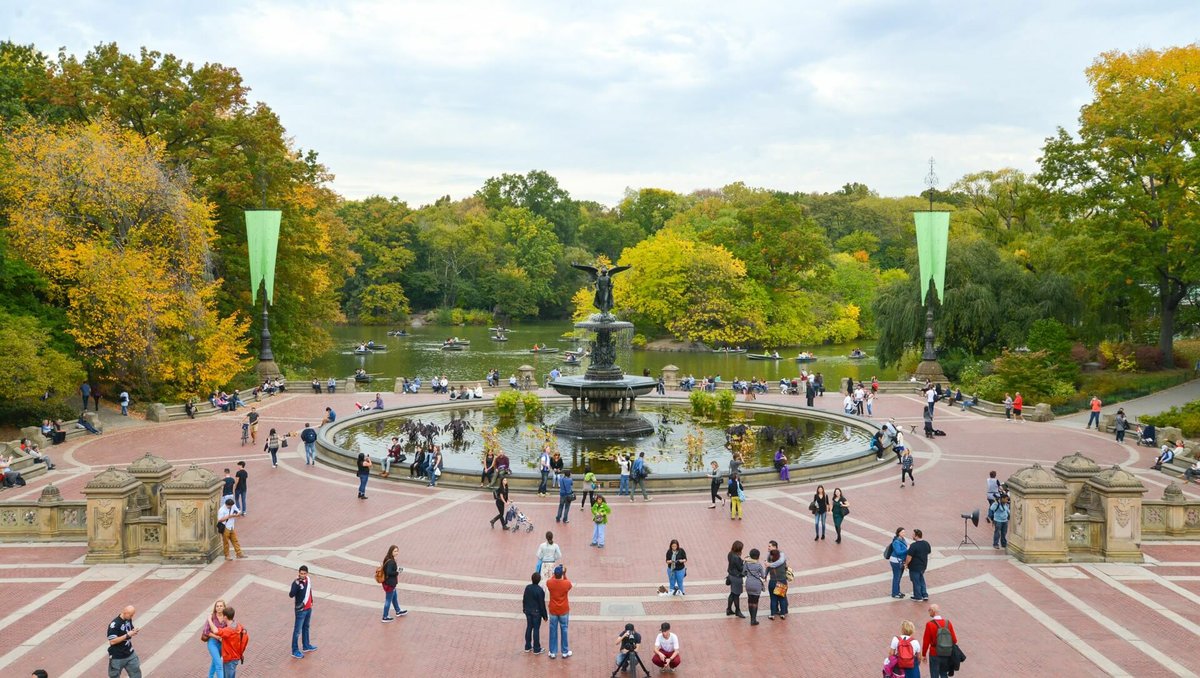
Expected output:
(602, 279)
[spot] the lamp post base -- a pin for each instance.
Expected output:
(267, 369)
(931, 370)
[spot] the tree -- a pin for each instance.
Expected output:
(381, 232)
(1130, 179)
(32, 368)
(999, 204)
(537, 192)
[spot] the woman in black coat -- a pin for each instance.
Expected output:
(501, 496)
(735, 575)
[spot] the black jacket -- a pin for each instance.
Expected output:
(534, 601)
(737, 566)
(681, 555)
(390, 570)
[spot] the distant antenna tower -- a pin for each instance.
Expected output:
(931, 181)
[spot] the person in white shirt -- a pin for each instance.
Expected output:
(548, 554)
(907, 629)
(848, 405)
(227, 516)
(666, 649)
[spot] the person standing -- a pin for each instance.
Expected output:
(435, 465)
(216, 668)
(840, 508)
(500, 494)
(917, 560)
(391, 571)
(1008, 407)
(544, 470)
(566, 497)
(899, 447)
(1120, 426)
(548, 555)
(252, 421)
(736, 495)
(810, 391)
(1018, 406)
(907, 650)
(232, 637)
(272, 446)
(676, 568)
(85, 389)
(1000, 513)
(239, 489)
(820, 509)
(906, 467)
(896, 553)
(589, 487)
(756, 578)
(666, 649)
(735, 575)
(302, 595)
(533, 603)
(556, 468)
(1094, 416)
(939, 649)
(95, 397)
(227, 517)
(623, 463)
(714, 477)
(363, 472)
(124, 400)
(560, 611)
(227, 485)
(777, 582)
(309, 437)
(993, 492)
(121, 655)
(639, 474)
(600, 511)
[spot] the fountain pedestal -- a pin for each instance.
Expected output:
(603, 400)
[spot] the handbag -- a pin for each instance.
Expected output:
(220, 527)
(437, 473)
(284, 444)
(727, 582)
(597, 518)
(812, 506)
(780, 589)
(571, 497)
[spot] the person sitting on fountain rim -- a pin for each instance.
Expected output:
(1167, 455)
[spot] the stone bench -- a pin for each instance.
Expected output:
(204, 408)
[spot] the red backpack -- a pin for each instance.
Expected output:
(904, 650)
(237, 644)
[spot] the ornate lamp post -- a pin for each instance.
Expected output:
(933, 232)
(262, 240)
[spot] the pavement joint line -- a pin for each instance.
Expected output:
(366, 523)
(1148, 602)
(68, 619)
(1047, 620)
(1167, 583)
(1106, 622)
(408, 523)
(34, 580)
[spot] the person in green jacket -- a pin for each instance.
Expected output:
(589, 487)
(600, 511)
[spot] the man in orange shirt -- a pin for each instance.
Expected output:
(1018, 405)
(939, 660)
(559, 609)
(233, 642)
(1094, 417)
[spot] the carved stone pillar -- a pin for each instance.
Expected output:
(110, 496)
(1120, 494)
(1037, 528)
(47, 520)
(190, 504)
(1176, 511)
(525, 376)
(670, 375)
(1075, 470)
(151, 471)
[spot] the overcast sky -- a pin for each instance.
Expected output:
(423, 99)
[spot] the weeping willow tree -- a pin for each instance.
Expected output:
(991, 301)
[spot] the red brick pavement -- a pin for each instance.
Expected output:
(463, 579)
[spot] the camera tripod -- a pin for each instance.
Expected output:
(625, 664)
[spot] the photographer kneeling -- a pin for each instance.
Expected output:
(628, 642)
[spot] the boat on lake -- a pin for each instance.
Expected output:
(543, 349)
(806, 358)
(764, 356)
(856, 355)
(729, 350)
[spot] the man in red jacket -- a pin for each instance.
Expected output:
(939, 666)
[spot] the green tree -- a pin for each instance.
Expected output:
(537, 192)
(381, 232)
(32, 369)
(999, 204)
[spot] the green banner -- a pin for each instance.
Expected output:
(933, 232)
(262, 240)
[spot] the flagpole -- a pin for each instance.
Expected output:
(932, 237)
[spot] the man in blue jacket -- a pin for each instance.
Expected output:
(302, 594)
(566, 497)
(534, 605)
(309, 437)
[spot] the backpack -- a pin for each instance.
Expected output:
(639, 469)
(379, 577)
(887, 552)
(904, 650)
(238, 643)
(944, 641)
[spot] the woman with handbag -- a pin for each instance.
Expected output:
(600, 511)
(216, 669)
(820, 508)
(777, 582)
(272, 446)
(435, 466)
(756, 578)
(735, 573)
(390, 571)
(363, 472)
(548, 555)
(841, 508)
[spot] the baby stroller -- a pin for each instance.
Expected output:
(1147, 436)
(515, 519)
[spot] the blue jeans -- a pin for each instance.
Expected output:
(897, 572)
(310, 453)
(918, 582)
(1094, 418)
(598, 533)
(938, 669)
(559, 622)
(779, 604)
(217, 668)
(230, 669)
(819, 524)
(675, 579)
(1000, 533)
(533, 632)
(239, 498)
(124, 410)
(390, 599)
(362, 483)
(303, 617)
(564, 509)
(542, 485)
(624, 489)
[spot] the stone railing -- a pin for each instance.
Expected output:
(49, 518)
(1172, 517)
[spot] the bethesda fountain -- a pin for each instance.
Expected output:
(602, 400)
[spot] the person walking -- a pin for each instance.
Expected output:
(566, 497)
(123, 399)
(1094, 416)
(548, 555)
(302, 596)
(899, 447)
(1120, 426)
(840, 508)
(1000, 514)
(906, 467)
(1018, 406)
(639, 474)
(309, 437)
(896, 553)
(363, 472)
(85, 390)
(560, 611)
(777, 581)
(544, 470)
(736, 495)
(216, 668)
(1008, 407)
(600, 511)
(589, 487)
(252, 423)
(239, 488)
(500, 494)
(676, 568)
(907, 650)
(810, 391)
(272, 447)
(391, 571)
(820, 509)
(735, 575)
(95, 397)
(756, 578)
(714, 478)
(939, 640)
(623, 463)
(121, 655)
(226, 519)
(916, 561)
(533, 603)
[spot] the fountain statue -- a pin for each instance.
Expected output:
(602, 400)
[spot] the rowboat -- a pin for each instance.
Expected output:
(454, 347)
(543, 349)
(397, 333)
(763, 356)
(857, 356)
(497, 337)
(802, 358)
(572, 361)
(729, 350)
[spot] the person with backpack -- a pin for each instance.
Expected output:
(233, 642)
(737, 495)
(309, 437)
(895, 554)
(640, 472)
(907, 650)
(939, 642)
(386, 576)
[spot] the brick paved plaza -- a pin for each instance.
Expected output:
(462, 581)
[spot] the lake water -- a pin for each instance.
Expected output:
(420, 355)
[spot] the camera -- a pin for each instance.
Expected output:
(628, 642)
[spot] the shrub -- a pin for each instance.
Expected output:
(725, 400)
(907, 365)
(1080, 353)
(638, 341)
(532, 404)
(1186, 419)
(704, 405)
(1148, 358)
(506, 403)
(1049, 335)
(1035, 375)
